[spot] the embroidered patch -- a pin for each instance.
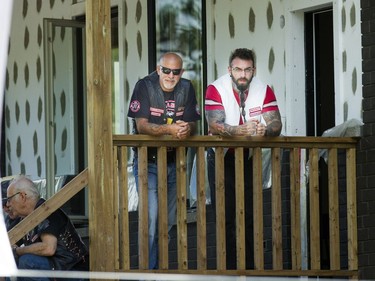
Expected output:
(135, 106)
(34, 238)
(255, 111)
(156, 111)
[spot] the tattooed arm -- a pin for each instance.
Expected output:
(215, 120)
(179, 130)
(273, 121)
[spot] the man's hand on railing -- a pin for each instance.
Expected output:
(183, 129)
(255, 128)
(250, 128)
(261, 129)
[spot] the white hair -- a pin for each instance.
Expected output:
(22, 183)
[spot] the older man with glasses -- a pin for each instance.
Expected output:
(54, 243)
(163, 103)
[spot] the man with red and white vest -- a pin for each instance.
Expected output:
(239, 104)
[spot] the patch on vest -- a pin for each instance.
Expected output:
(255, 111)
(135, 106)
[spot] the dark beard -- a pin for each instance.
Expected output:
(241, 87)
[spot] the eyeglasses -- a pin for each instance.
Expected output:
(238, 70)
(8, 199)
(167, 70)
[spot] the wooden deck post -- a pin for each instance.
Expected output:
(99, 124)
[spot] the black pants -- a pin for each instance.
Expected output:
(230, 204)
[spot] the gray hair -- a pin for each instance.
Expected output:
(22, 183)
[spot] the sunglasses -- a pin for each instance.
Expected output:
(167, 70)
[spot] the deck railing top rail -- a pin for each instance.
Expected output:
(222, 141)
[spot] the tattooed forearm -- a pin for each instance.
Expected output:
(158, 130)
(215, 120)
(273, 121)
(229, 130)
(144, 127)
(273, 129)
(217, 125)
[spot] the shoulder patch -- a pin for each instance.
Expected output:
(135, 106)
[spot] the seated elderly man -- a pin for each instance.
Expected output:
(54, 243)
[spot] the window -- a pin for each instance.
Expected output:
(179, 27)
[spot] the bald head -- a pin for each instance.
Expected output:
(171, 58)
(170, 71)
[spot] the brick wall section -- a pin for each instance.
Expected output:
(267, 224)
(192, 242)
(366, 150)
(267, 234)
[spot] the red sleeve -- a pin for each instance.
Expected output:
(213, 99)
(270, 103)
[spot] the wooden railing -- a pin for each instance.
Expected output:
(343, 261)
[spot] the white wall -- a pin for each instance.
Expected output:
(268, 41)
(286, 38)
(24, 94)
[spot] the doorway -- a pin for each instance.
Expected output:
(320, 91)
(65, 108)
(320, 104)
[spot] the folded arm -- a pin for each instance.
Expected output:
(217, 126)
(180, 129)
